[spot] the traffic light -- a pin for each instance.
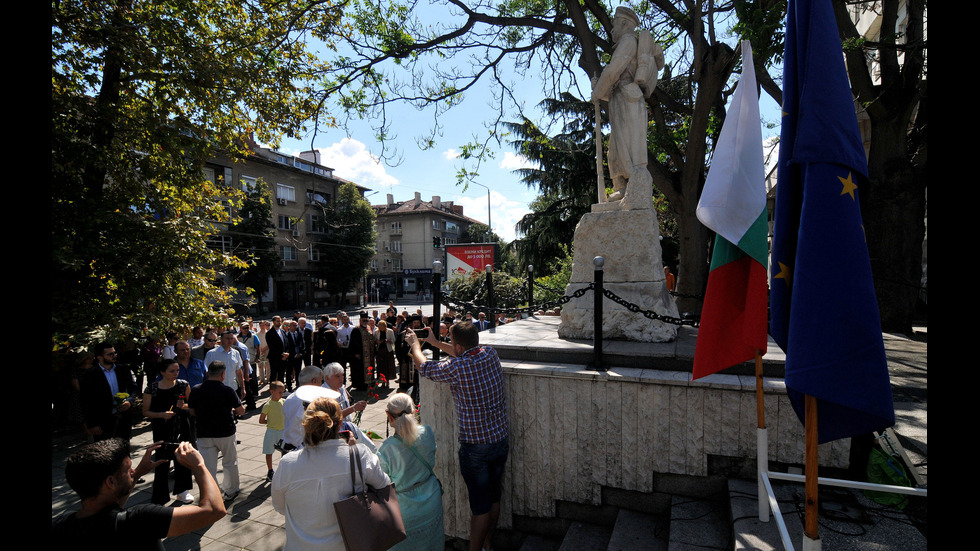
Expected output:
(436, 242)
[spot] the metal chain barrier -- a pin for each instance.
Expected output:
(649, 314)
(464, 306)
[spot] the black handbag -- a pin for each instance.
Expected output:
(370, 520)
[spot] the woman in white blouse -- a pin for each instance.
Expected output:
(310, 480)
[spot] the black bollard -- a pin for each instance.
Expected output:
(597, 320)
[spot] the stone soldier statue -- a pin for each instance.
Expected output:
(625, 83)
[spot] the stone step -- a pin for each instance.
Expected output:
(586, 537)
(849, 521)
(636, 531)
(698, 524)
(537, 543)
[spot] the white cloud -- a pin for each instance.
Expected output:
(450, 154)
(352, 161)
(504, 213)
(513, 161)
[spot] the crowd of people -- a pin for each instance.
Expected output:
(199, 385)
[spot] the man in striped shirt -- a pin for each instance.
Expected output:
(475, 380)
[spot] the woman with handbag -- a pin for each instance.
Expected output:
(309, 481)
(408, 458)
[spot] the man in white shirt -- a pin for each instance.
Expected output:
(343, 339)
(308, 389)
(228, 353)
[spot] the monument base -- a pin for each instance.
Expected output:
(577, 317)
(629, 242)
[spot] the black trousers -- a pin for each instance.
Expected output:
(277, 371)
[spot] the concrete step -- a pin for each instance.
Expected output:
(586, 537)
(849, 521)
(698, 524)
(636, 531)
(537, 543)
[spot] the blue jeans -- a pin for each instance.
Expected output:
(482, 467)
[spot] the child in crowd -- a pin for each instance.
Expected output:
(275, 422)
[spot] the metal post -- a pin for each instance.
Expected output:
(597, 320)
(490, 313)
(436, 300)
(530, 289)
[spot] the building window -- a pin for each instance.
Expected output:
(286, 223)
(314, 197)
(221, 243)
(249, 184)
(396, 227)
(452, 227)
(314, 254)
(396, 265)
(317, 224)
(285, 193)
(435, 225)
(374, 265)
(396, 246)
(288, 252)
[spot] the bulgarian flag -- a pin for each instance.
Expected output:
(733, 205)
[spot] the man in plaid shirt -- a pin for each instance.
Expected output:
(476, 382)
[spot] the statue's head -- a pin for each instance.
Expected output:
(628, 14)
(624, 21)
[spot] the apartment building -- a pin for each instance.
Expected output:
(406, 244)
(300, 186)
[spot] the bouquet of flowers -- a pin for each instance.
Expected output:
(120, 397)
(372, 393)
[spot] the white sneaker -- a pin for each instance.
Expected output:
(186, 496)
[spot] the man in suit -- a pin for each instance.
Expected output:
(210, 341)
(103, 415)
(296, 348)
(307, 331)
(275, 340)
(482, 324)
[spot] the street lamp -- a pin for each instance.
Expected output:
(489, 226)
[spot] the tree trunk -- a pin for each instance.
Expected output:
(893, 208)
(693, 266)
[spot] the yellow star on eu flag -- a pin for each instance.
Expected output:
(784, 272)
(849, 186)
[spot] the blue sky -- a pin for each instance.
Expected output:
(433, 171)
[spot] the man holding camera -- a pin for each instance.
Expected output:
(214, 405)
(103, 476)
(475, 377)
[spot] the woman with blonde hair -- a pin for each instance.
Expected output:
(408, 457)
(310, 480)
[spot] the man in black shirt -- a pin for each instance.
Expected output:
(103, 476)
(214, 406)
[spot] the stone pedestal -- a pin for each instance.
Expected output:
(629, 242)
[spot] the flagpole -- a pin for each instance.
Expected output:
(762, 440)
(811, 540)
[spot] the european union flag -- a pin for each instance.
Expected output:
(823, 305)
